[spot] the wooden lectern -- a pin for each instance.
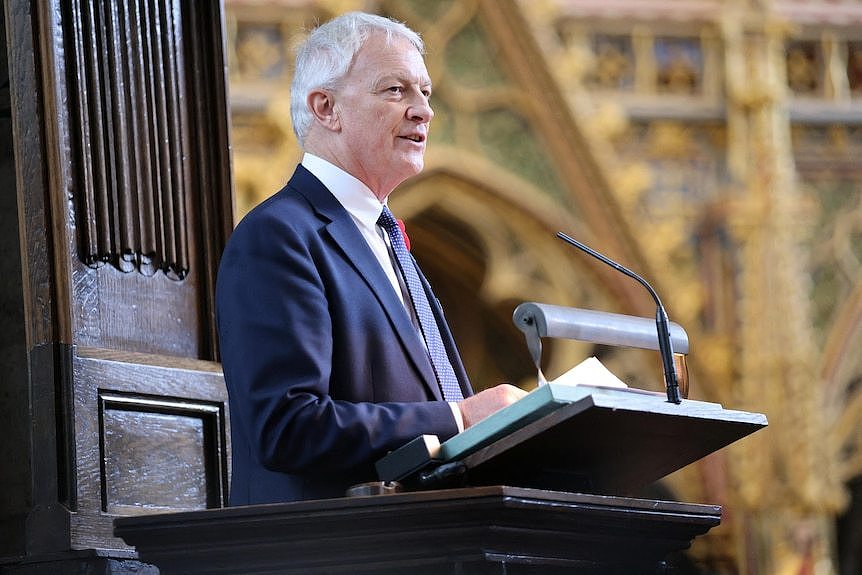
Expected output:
(570, 458)
(481, 530)
(603, 443)
(575, 438)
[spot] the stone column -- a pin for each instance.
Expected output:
(785, 495)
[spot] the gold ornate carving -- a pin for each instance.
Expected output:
(778, 356)
(804, 65)
(738, 248)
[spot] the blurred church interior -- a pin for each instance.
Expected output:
(711, 145)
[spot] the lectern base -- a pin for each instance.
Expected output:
(482, 530)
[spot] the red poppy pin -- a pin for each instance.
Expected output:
(404, 233)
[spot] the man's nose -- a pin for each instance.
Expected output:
(420, 110)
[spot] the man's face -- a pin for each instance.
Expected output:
(384, 114)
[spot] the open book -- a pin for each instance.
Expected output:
(590, 372)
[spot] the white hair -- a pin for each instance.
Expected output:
(324, 58)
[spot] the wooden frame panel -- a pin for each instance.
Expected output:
(159, 453)
(151, 435)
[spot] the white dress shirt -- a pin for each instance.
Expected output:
(365, 209)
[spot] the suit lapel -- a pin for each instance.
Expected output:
(349, 240)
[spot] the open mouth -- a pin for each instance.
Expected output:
(419, 138)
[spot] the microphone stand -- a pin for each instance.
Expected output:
(665, 345)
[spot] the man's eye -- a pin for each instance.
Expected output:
(396, 89)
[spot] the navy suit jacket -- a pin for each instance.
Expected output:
(324, 369)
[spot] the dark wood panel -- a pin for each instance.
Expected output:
(121, 155)
(213, 192)
(137, 313)
(143, 159)
(28, 181)
(33, 518)
(159, 454)
(151, 435)
(13, 349)
(152, 178)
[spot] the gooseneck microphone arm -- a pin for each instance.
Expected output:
(664, 342)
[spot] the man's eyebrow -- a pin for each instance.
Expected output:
(385, 80)
(401, 79)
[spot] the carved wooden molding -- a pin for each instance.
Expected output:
(127, 73)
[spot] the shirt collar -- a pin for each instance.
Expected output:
(359, 201)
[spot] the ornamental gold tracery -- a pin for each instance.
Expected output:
(763, 216)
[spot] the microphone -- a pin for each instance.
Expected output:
(665, 344)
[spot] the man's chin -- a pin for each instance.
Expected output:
(411, 167)
(417, 164)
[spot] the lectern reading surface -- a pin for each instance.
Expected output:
(577, 438)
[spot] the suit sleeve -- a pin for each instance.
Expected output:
(276, 340)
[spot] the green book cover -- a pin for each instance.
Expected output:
(538, 403)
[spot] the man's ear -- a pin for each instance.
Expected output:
(322, 105)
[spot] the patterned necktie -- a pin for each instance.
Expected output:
(439, 360)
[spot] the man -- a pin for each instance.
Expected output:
(334, 349)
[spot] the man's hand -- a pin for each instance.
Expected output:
(484, 403)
